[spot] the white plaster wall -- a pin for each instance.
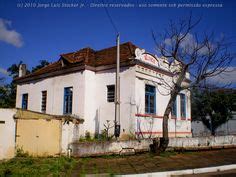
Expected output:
(70, 133)
(7, 133)
(154, 125)
(98, 110)
(106, 110)
(89, 99)
(90, 102)
(55, 93)
(128, 106)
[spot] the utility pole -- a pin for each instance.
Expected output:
(117, 90)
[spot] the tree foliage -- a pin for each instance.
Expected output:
(8, 96)
(213, 108)
(8, 91)
(42, 63)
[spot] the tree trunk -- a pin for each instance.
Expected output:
(213, 131)
(164, 141)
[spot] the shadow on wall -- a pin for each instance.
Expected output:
(97, 122)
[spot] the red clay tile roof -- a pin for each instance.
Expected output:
(88, 56)
(102, 57)
(79, 56)
(108, 56)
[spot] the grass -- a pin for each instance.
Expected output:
(37, 166)
(25, 165)
(168, 153)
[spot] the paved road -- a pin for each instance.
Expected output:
(230, 173)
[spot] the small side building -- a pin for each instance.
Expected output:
(43, 134)
(36, 133)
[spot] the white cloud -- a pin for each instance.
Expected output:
(3, 71)
(9, 35)
(188, 44)
(228, 77)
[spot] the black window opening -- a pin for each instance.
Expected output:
(25, 101)
(44, 101)
(110, 93)
(150, 99)
(68, 98)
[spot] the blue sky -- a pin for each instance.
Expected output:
(45, 33)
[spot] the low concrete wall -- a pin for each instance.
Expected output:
(228, 128)
(84, 149)
(199, 143)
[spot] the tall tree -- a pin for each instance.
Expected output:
(8, 91)
(185, 53)
(13, 70)
(213, 108)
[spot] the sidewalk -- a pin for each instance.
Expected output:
(147, 163)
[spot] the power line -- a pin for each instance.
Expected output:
(111, 20)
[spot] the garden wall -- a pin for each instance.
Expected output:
(228, 128)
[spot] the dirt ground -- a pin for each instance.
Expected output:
(146, 163)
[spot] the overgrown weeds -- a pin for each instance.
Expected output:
(37, 166)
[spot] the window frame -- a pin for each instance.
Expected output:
(43, 102)
(24, 102)
(70, 101)
(183, 110)
(150, 94)
(110, 97)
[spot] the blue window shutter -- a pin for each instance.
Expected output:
(64, 106)
(24, 104)
(155, 101)
(150, 99)
(185, 105)
(68, 99)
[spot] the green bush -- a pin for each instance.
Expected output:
(87, 136)
(21, 153)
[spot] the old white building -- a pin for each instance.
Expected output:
(82, 83)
